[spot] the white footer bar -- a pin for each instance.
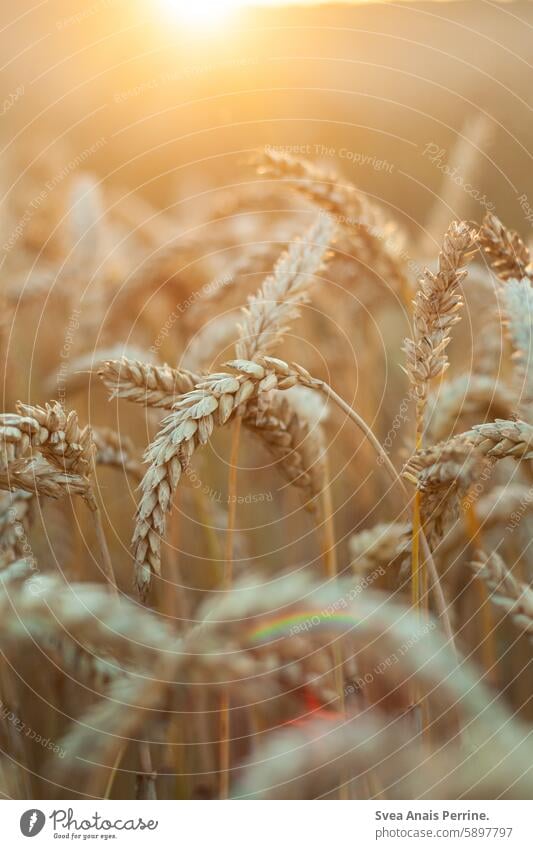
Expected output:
(266, 825)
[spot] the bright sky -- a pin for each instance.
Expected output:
(206, 14)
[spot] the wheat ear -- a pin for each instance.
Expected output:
(517, 297)
(514, 597)
(507, 254)
(68, 447)
(374, 240)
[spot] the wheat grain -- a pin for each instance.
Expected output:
(146, 384)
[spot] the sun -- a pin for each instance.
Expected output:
(201, 14)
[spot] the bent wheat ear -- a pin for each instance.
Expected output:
(214, 401)
(34, 474)
(494, 440)
(15, 512)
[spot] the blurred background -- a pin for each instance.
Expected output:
(165, 94)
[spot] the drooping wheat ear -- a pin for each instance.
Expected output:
(374, 239)
(515, 597)
(468, 396)
(117, 451)
(444, 474)
(146, 384)
(270, 311)
(214, 401)
(517, 298)
(295, 444)
(446, 471)
(435, 311)
(218, 397)
(34, 474)
(380, 547)
(508, 255)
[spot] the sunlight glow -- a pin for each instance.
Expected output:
(201, 14)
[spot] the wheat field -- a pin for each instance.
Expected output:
(266, 489)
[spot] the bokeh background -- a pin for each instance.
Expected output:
(180, 98)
